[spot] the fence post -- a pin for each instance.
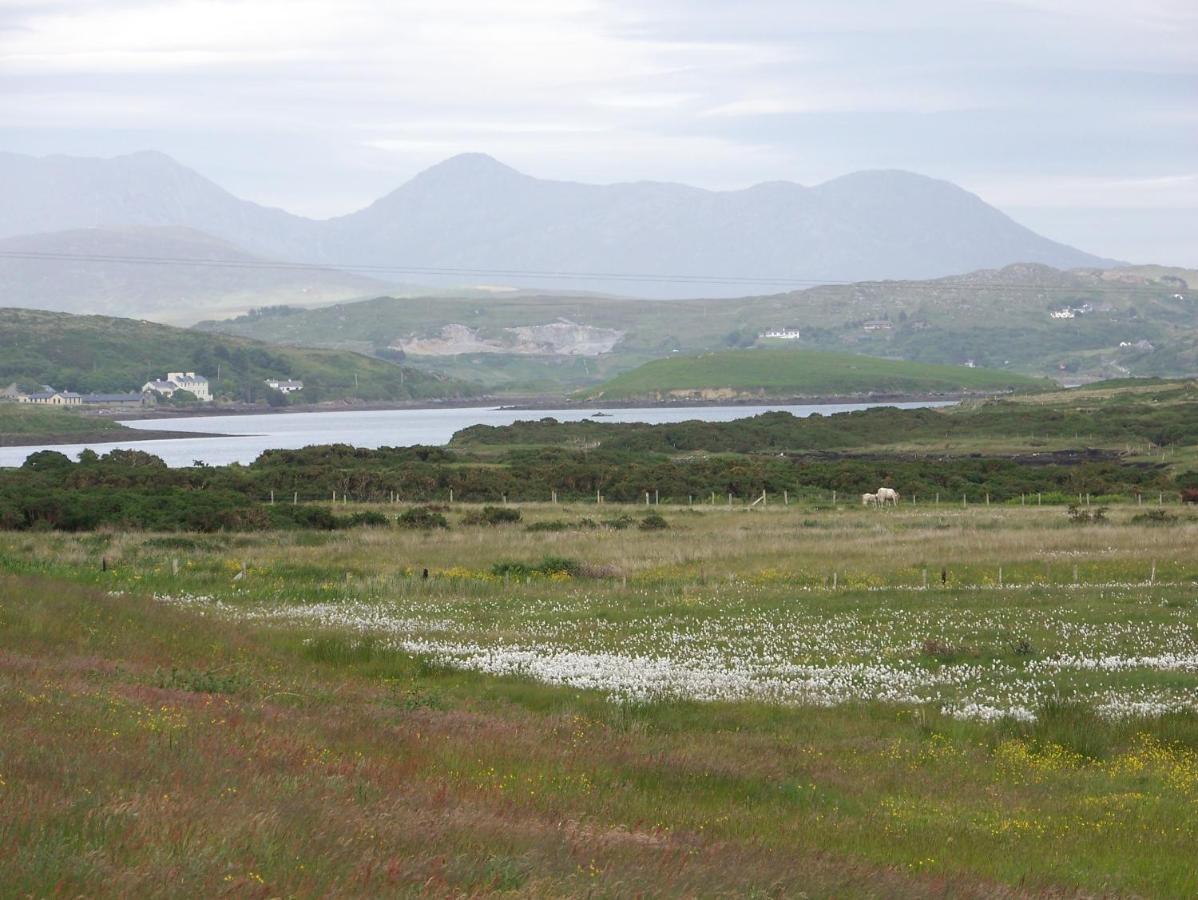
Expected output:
(925, 579)
(295, 498)
(1075, 573)
(451, 495)
(729, 501)
(834, 498)
(656, 498)
(834, 580)
(1039, 498)
(786, 498)
(964, 502)
(938, 498)
(1152, 576)
(646, 498)
(1000, 576)
(987, 498)
(272, 496)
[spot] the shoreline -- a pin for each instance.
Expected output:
(102, 437)
(539, 402)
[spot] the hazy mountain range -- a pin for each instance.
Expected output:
(496, 225)
(168, 273)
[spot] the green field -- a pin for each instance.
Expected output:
(798, 699)
(795, 373)
(103, 354)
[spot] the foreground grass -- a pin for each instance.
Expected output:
(154, 750)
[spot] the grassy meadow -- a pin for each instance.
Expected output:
(991, 701)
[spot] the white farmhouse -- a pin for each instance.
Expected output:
(180, 381)
(285, 386)
(782, 334)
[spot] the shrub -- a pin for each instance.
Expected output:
(1154, 517)
(619, 523)
(1080, 516)
(550, 565)
(369, 518)
(316, 517)
(550, 525)
(653, 522)
(492, 515)
(421, 517)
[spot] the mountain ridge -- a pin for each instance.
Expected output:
(474, 213)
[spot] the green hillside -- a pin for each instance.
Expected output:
(1129, 322)
(100, 353)
(782, 373)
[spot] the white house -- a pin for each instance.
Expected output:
(179, 381)
(783, 334)
(1062, 314)
(285, 386)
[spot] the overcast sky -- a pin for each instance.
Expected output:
(1078, 117)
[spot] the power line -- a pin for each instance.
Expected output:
(657, 278)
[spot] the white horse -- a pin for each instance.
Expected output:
(887, 495)
(869, 499)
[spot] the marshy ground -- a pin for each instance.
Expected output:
(982, 701)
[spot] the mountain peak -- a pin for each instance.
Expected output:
(469, 165)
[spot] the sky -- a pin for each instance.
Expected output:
(1077, 117)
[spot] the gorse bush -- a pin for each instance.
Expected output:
(492, 515)
(421, 517)
(548, 566)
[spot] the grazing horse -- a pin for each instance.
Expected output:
(887, 495)
(869, 499)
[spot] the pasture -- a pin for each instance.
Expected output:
(922, 701)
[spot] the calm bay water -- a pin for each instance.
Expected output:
(245, 437)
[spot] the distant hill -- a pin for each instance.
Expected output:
(167, 273)
(790, 373)
(1128, 321)
(61, 193)
(100, 353)
(472, 212)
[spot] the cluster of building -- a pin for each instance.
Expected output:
(196, 385)
(1072, 312)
